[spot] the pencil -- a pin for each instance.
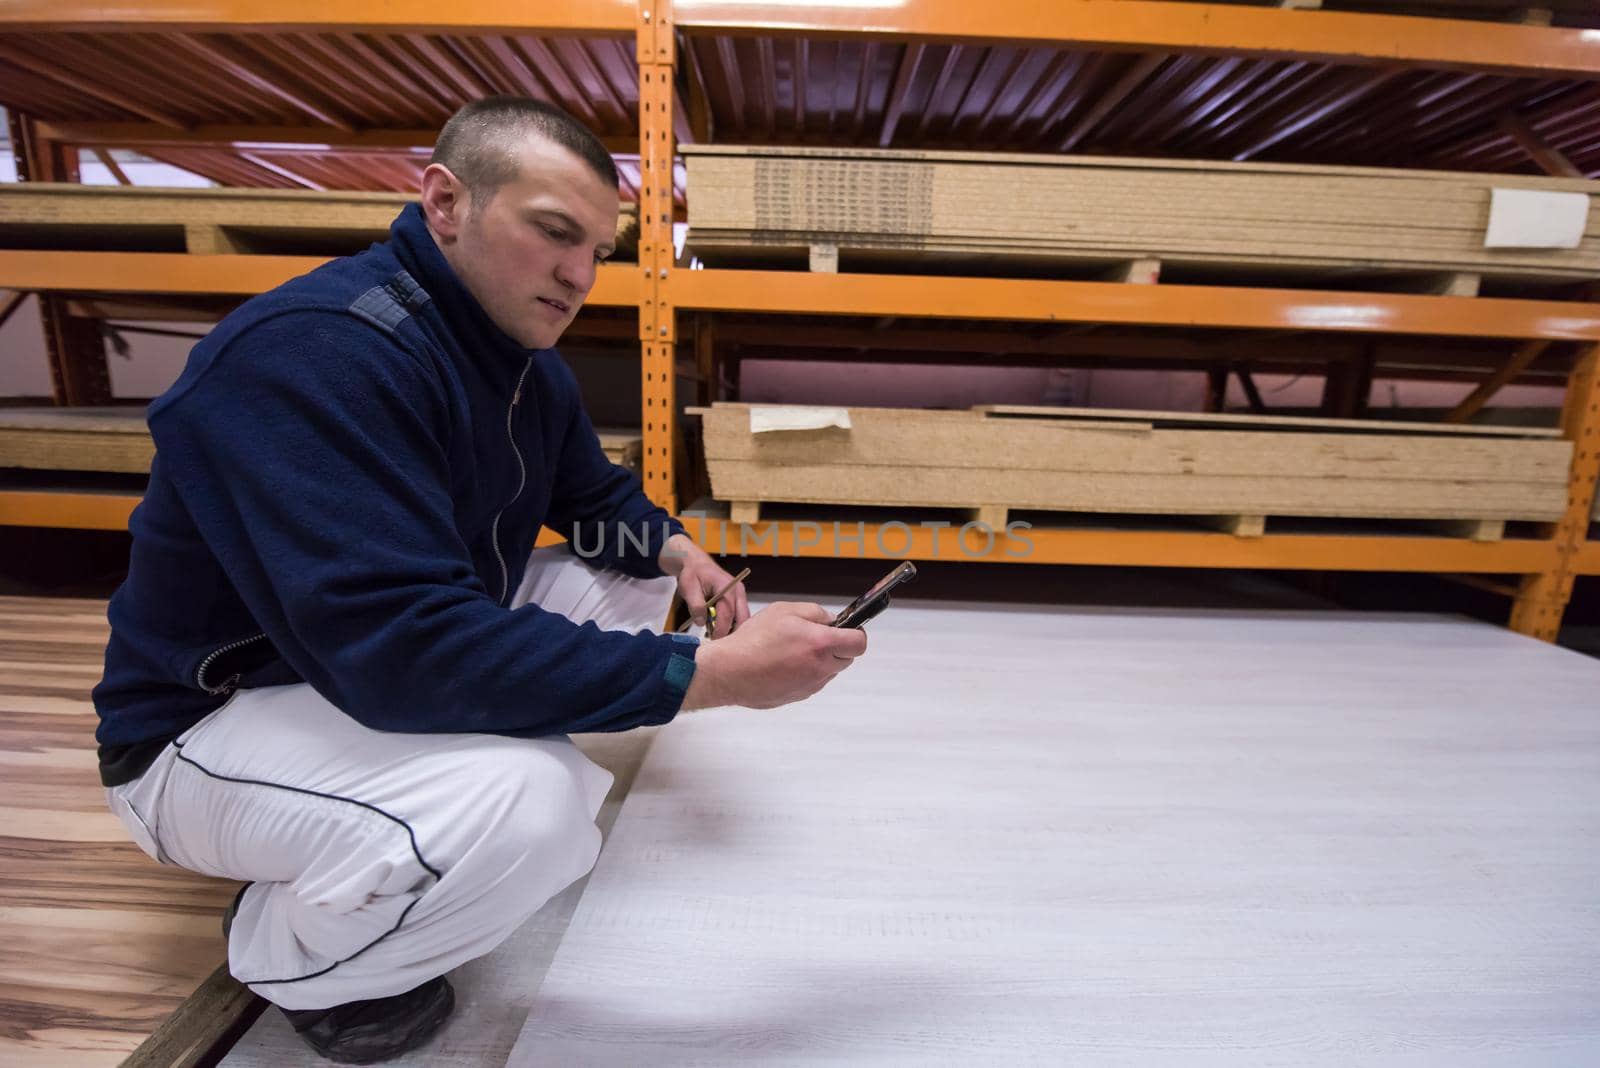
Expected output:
(711, 605)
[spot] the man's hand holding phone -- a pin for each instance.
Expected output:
(784, 653)
(787, 651)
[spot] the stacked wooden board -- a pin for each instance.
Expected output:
(999, 458)
(110, 440)
(48, 215)
(625, 448)
(116, 440)
(1105, 209)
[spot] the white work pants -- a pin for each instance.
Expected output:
(379, 860)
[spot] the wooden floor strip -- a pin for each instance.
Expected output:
(101, 943)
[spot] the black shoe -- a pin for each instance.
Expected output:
(232, 911)
(366, 1032)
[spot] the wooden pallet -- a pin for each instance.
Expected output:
(1238, 470)
(996, 518)
(212, 221)
(1145, 268)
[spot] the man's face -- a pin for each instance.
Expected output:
(529, 254)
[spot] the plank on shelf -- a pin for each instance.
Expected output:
(1104, 210)
(970, 459)
(116, 440)
(210, 221)
(1265, 422)
(76, 439)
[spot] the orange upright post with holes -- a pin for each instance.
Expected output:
(658, 332)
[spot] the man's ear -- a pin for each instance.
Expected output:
(444, 201)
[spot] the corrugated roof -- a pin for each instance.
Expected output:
(792, 90)
(342, 80)
(322, 84)
(783, 89)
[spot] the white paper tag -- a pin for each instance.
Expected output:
(1530, 218)
(797, 417)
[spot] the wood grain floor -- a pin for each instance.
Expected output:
(1110, 838)
(100, 942)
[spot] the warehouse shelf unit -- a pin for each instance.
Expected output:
(1373, 48)
(1546, 565)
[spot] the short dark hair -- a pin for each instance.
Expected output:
(478, 143)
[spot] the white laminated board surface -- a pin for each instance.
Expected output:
(1049, 837)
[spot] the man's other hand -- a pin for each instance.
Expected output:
(699, 578)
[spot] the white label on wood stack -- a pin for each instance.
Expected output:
(1528, 218)
(765, 420)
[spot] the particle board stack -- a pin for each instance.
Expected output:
(109, 440)
(625, 448)
(209, 221)
(1086, 208)
(116, 440)
(1087, 460)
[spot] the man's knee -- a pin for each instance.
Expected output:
(538, 808)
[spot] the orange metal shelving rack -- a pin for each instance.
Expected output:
(1546, 565)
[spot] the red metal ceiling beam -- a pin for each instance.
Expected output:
(280, 170)
(1051, 92)
(1137, 71)
(308, 139)
(947, 67)
(104, 156)
(1362, 86)
(1551, 161)
(220, 54)
(895, 106)
(88, 86)
(863, 87)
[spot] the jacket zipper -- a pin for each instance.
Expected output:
(522, 481)
(232, 681)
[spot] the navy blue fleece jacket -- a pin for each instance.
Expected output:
(349, 477)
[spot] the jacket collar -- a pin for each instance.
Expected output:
(463, 316)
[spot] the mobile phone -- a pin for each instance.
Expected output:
(875, 600)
